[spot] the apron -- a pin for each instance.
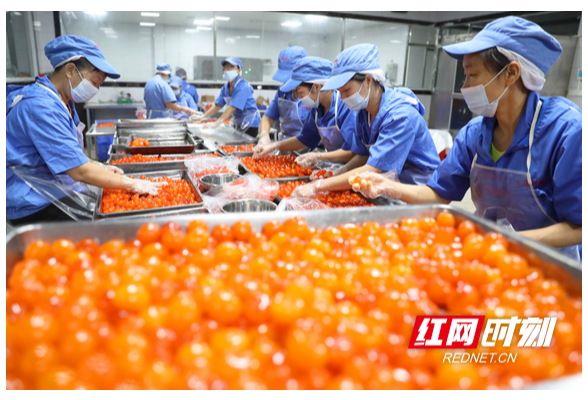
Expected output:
(81, 125)
(290, 122)
(331, 136)
(179, 114)
(246, 120)
(498, 197)
(162, 113)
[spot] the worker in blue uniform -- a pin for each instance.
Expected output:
(329, 122)
(390, 132)
(186, 87)
(286, 106)
(237, 95)
(522, 157)
(183, 99)
(44, 132)
(159, 98)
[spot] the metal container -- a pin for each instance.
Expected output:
(222, 135)
(244, 170)
(154, 166)
(194, 211)
(213, 181)
(166, 144)
(174, 174)
(248, 205)
(554, 265)
(223, 152)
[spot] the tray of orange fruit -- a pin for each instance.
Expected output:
(161, 144)
(302, 299)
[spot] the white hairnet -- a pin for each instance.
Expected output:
(319, 81)
(376, 74)
(533, 78)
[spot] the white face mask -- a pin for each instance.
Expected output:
(308, 102)
(84, 91)
(355, 102)
(177, 92)
(477, 100)
(230, 75)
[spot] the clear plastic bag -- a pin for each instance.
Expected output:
(75, 199)
(249, 186)
(300, 204)
(331, 169)
(381, 185)
(209, 164)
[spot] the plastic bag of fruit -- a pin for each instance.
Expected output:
(211, 164)
(300, 204)
(249, 186)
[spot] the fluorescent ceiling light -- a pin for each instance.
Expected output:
(150, 14)
(252, 37)
(16, 13)
(147, 23)
(203, 21)
(202, 28)
(292, 24)
(191, 30)
(316, 17)
(37, 23)
(395, 41)
(95, 12)
(223, 18)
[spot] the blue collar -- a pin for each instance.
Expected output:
(520, 138)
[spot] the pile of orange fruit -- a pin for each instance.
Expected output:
(342, 199)
(177, 192)
(139, 142)
(140, 158)
(322, 174)
(209, 171)
(287, 188)
(275, 166)
(105, 125)
(290, 307)
(233, 149)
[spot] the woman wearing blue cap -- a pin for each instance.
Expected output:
(183, 99)
(44, 132)
(329, 121)
(186, 87)
(160, 100)
(390, 134)
(237, 95)
(286, 106)
(522, 158)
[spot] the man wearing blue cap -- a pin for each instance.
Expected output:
(390, 133)
(183, 99)
(44, 133)
(285, 106)
(522, 158)
(237, 95)
(160, 100)
(329, 120)
(186, 87)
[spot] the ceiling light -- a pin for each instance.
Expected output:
(292, 24)
(95, 12)
(147, 23)
(223, 18)
(203, 21)
(37, 23)
(316, 17)
(202, 28)
(191, 30)
(395, 41)
(150, 14)
(252, 37)
(16, 13)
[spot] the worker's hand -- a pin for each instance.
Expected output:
(264, 138)
(373, 185)
(309, 160)
(210, 125)
(110, 168)
(196, 118)
(262, 151)
(311, 189)
(189, 111)
(141, 186)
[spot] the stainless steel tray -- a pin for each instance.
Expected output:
(222, 135)
(196, 210)
(124, 133)
(164, 144)
(174, 174)
(244, 170)
(149, 123)
(551, 262)
(154, 166)
(220, 150)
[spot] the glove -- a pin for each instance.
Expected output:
(373, 185)
(110, 168)
(189, 111)
(141, 186)
(309, 160)
(311, 189)
(196, 118)
(210, 125)
(261, 151)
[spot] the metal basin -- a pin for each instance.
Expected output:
(248, 205)
(213, 181)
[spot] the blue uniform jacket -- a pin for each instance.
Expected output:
(241, 98)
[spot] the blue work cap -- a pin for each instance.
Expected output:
(163, 68)
(309, 69)
(69, 48)
(518, 35)
(359, 58)
(286, 61)
(175, 82)
(234, 61)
